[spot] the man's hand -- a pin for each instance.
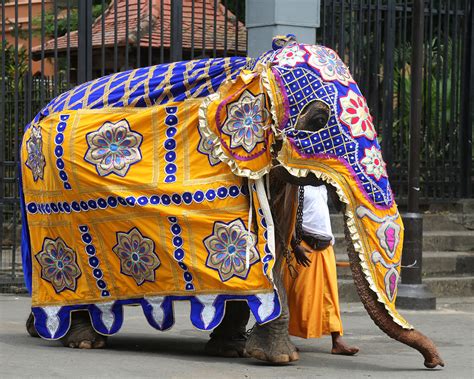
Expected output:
(300, 255)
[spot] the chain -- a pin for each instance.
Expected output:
(291, 268)
(299, 216)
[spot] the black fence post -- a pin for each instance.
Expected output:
(467, 105)
(84, 48)
(388, 64)
(176, 51)
(412, 294)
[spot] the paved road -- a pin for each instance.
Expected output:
(139, 351)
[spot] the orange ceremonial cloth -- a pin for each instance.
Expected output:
(313, 298)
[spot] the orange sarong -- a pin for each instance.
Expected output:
(313, 298)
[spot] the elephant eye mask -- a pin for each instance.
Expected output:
(124, 203)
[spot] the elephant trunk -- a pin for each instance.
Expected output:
(384, 321)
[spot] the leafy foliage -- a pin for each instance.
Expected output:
(48, 20)
(14, 65)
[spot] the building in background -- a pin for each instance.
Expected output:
(17, 19)
(208, 29)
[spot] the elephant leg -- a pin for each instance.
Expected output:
(228, 339)
(271, 342)
(30, 326)
(81, 334)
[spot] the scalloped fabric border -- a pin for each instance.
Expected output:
(207, 312)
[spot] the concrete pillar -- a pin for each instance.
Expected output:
(265, 19)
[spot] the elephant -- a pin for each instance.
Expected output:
(178, 182)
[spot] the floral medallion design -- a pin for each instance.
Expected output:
(137, 256)
(389, 237)
(113, 148)
(227, 248)
(34, 147)
(388, 232)
(355, 114)
(206, 147)
(391, 277)
(58, 264)
(391, 283)
(290, 56)
(246, 120)
(373, 163)
(329, 65)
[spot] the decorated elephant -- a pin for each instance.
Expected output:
(177, 182)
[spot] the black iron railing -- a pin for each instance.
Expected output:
(374, 38)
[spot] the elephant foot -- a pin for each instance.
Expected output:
(229, 347)
(30, 326)
(81, 334)
(229, 338)
(269, 344)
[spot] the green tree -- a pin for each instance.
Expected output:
(12, 64)
(62, 22)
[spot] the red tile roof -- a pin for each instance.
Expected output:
(121, 18)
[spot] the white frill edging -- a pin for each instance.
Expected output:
(207, 312)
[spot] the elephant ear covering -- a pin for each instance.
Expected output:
(238, 122)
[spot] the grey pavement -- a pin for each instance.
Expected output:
(139, 351)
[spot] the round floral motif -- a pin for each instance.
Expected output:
(355, 114)
(246, 120)
(58, 264)
(290, 56)
(113, 148)
(34, 147)
(227, 249)
(206, 147)
(373, 163)
(328, 63)
(137, 256)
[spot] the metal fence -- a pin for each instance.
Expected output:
(49, 46)
(374, 38)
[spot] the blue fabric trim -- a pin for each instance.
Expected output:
(207, 312)
(176, 89)
(25, 235)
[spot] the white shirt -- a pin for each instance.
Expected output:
(316, 218)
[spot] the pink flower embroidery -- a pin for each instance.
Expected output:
(373, 163)
(355, 114)
(329, 65)
(290, 56)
